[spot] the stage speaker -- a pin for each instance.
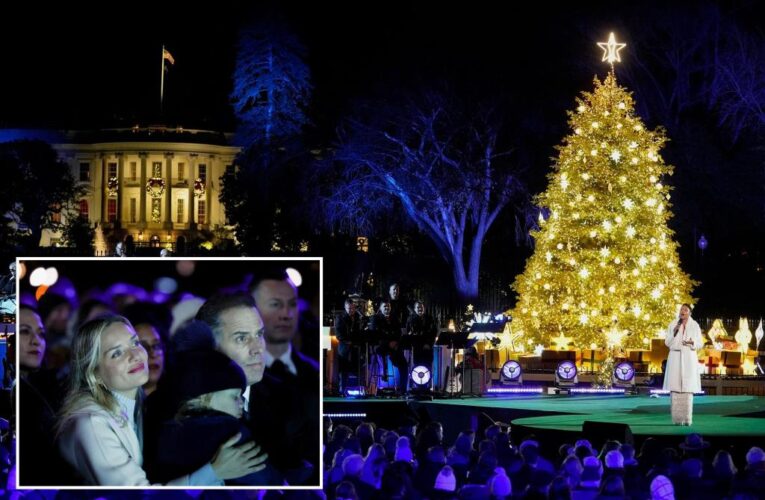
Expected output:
(474, 383)
(600, 432)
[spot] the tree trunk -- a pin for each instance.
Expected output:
(465, 284)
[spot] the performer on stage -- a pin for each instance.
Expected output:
(348, 332)
(8, 282)
(681, 376)
(385, 324)
(422, 324)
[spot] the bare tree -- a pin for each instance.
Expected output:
(436, 159)
(737, 92)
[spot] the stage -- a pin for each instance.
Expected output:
(726, 421)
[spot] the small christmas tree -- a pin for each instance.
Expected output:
(604, 258)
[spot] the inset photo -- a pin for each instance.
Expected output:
(169, 373)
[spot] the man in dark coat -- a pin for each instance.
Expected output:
(424, 326)
(384, 324)
(348, 333)
(285, 406)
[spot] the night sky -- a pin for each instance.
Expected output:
(72, 67)
(93, 67)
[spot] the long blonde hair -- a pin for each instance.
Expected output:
(84, 383)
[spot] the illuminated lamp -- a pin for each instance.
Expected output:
(624, 374)
(421, 376)
(566, 374)
(511, 373)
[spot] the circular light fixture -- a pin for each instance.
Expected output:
(511, 371)
(420, 375)
(624, 371)
(566, 370)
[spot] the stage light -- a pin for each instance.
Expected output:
(515, 390)
(37, 277)
(662, 392)
(294, 276)
(566, 373)
(166, 285)
(420, 376)
(624, 374)
(511, 373)
(355, 392)
(346, 415)
(595, 390)
(185, 267)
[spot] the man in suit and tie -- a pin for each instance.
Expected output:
(285, 405)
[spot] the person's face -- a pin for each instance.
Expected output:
(241, 339)
(152, 342)
(58, 318)
(276, 301)
(685, 312)
(123, 364)
(228, 401)
(385, 308)
(350, 308)
(419, 309)
(394, 291)
(97, 311)
(31, 340)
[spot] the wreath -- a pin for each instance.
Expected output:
(112, 186)
(199, 187)
(155, 187)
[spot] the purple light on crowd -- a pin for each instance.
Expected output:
(121, 288)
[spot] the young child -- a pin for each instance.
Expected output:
(206, 391)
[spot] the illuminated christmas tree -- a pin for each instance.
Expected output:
(605, 263)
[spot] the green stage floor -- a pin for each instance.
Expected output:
(737, 416)
(712, 415)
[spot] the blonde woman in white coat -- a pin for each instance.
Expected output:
(681, 376)
(99, 426)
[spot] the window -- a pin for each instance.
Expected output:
(156, 169)
(181, 171)
(56, 216)
(111, 210)
(112, 170)
(83, 208)
(201, 211)
(133, 204)
(133, 171)
(203, 172)
(84, 172)
(180, 210)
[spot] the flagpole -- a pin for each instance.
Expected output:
(162, 79)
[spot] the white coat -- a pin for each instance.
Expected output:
(682, 371)
(105, 451)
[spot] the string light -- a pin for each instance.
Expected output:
(615, 262)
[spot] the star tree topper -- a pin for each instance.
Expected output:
(611, 49)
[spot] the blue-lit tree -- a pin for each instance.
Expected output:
(439, 161)
(272, 89)
(272, 85)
